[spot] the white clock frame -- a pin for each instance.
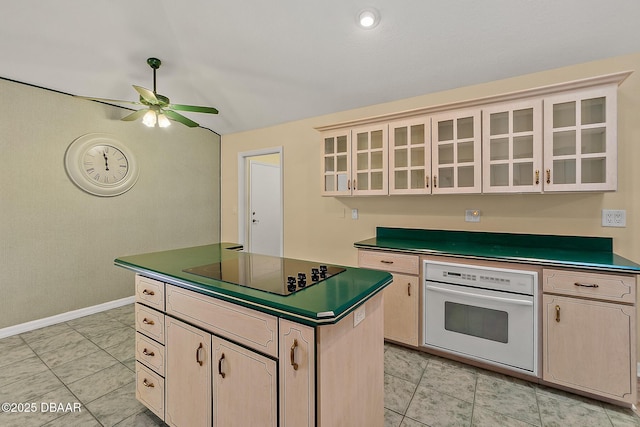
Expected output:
(74, 159)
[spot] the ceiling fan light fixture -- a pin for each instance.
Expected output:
(149, 119)
(163, 121)
(368, 18)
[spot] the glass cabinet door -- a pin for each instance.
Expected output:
(456, 148)
(580, 140)
(512, 147)
(369, 160)
(336, 163)
(410, 156)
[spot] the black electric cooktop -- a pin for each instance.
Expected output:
(282, 276)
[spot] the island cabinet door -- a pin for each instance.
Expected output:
(188, 375)
(244, 387)
(297, 375)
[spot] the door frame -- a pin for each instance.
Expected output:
(244, 191)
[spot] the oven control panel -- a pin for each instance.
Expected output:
(500, 279)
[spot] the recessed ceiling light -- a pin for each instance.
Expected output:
(368, 18)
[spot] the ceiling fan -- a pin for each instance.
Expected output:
(159, 109)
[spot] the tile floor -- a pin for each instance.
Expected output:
(88, 363)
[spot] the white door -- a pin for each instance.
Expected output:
(265, 209)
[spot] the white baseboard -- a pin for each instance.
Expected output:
(63, 317)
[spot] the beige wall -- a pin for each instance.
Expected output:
(58, 243)
(321, 228)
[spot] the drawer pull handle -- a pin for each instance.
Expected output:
(220, 366)
(148, 322)
(587, 285)
(557, 313)
(148, 353)
(198, 359)
(384, 261)
(147, 383)
(146, 292)
(409, 288)
(292, 355)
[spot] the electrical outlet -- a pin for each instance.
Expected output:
(358, 315)
(354, 213)
(472, 215)
(614, 218)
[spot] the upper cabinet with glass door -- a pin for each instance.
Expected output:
(456, 148)
(410, 156)
(512, 147)
(580, 140)
(369, 160)
(336, 163)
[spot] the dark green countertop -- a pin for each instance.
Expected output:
(559, 251)
(323, 303)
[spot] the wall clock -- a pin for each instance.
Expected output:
(101, 165)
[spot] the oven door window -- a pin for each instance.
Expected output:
(477, 321)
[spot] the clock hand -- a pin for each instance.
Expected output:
(106, 160)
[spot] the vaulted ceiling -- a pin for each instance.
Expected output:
(267, 62)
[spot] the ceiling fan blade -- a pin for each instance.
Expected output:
(180, 118)
(135, 115)
(118, 101)
(194, 108)
(146, 94)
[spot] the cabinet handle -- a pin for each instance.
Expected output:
(146, 292)
(148, 353)
(200, 361)
(587, 285)
(548, 176)
(557, 313)
(409, 288)
(220, 366)
(537, 177)
(426, 181)
(348, 184)
(355, 186)
(147, 384)
(292, 355)
(386, 262)
(148, 322)
(435, 181)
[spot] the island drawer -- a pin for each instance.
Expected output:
(150, 389)
(150, 292)
(150, 353)
(251, 328)
(389, 261)
(150, 322)
(607, 287)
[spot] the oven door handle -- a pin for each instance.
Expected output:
(485, 297)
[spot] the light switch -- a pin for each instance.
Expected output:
(354, 213)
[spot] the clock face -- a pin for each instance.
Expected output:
(101, 165)
(105, 164)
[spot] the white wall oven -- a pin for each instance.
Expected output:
(482, 313)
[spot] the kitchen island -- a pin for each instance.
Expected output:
(218, 344)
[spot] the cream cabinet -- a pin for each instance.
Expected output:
(336, 163)
(188, 375)
(512, 147)
(402, 297)
(410, 156)
(245, 389)
(589, 329)
(580, 140)
(369, 160)
(455, 150)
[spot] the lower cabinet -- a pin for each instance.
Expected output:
(188, 375)
(240, 367)
(402, 297)
(589, 343)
